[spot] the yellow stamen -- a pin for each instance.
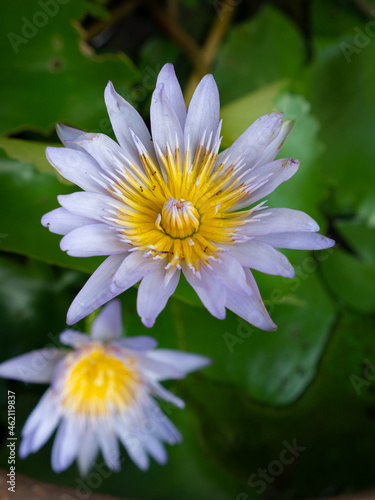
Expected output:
(182, 210)
(98, 381)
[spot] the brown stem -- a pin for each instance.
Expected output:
(116, 15)
(187, 44)
(211, 45)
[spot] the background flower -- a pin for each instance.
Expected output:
(102, 393)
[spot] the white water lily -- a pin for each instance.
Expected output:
(169, 203)
(100, 393)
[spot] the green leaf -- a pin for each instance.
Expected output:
(255, 55)
(49, 75)
(25, 196)
(351, 280)
(340, 88)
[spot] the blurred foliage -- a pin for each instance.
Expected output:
(308, 381)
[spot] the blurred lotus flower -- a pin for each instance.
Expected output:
(102, 392)
(169, 203)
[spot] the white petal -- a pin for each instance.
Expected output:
(153, 295)
(165, 125)
(93, 239)
(163, 393)
(298, 241)
(94, 205)
(133, 268)
(137, 453)
(48, 423)
(251, 144)
(102, 148)
(173, 91)
(156, 370)
(123, 116)
(231, 274)
(76, 166)
(108, 323)
(139, 343)
(88, 452)
(97, 290)
(61, 221)
(109, 446)
(272, 149)
(251, 307)
(262, 257)
(67, 134)
(66, 445)
(156, 449)
(273, 173)
(203, 113)
(184, 362)
(280, 220)
(209, 290)
(74, 339)
(35, 366)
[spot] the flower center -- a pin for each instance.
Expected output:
(179, 218)
(98, 381)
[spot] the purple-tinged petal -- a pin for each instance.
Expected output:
(273, 148)
(251, 144)
(93, 239)
(61, 221)
(77, 167)
(184, 362)
(66, 445)
(251, 307)
(280, 220)
(153, 294)
(108, 323)
(297, 241)
(265, 179)
(123, 116)
(94, 205)
(231, 274)
(262, 257)
(139, 343)
(163, 393)
(173, 91)
(109, 446)
(106, 152)
(133, 268)
(203, 114)
(88, 452)
(97, 290)
(211, 292)
(165, 125)
(67, 134)
(156, 449)
(35, 366)
(74, 339)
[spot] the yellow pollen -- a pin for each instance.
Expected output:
(98, 381)
(181, 211)
(179, 218)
